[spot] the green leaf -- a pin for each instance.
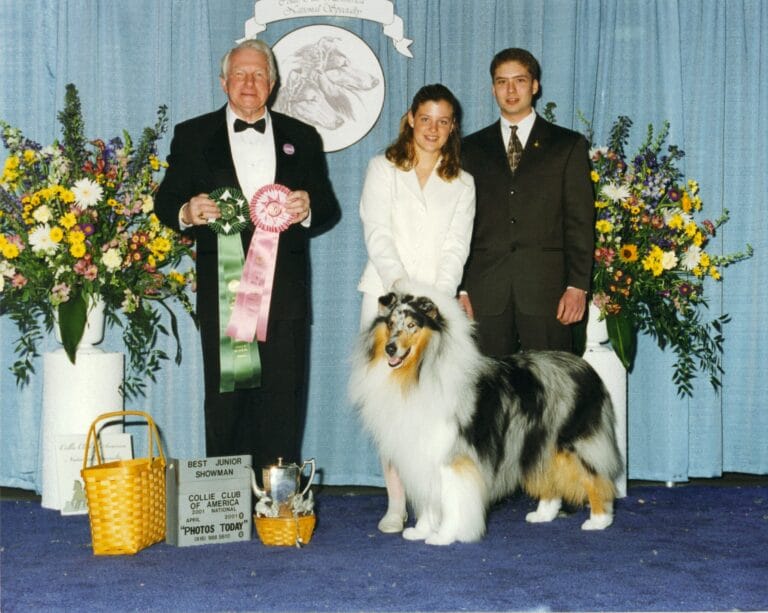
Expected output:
(621, 333)
(72, 315)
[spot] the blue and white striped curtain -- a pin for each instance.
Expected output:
(701, 64)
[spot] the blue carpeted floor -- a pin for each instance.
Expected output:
(681, 549)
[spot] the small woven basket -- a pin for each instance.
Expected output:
(126, 498)
(285, 531)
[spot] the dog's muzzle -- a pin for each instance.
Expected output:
(395, 360)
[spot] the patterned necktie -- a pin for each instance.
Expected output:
(514, 150)
(258, 125)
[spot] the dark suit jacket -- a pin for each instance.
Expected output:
(534, 231)
(200, 161)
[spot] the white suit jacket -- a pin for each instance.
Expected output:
(415, 234)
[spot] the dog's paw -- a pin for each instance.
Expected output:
(545, 512)
(440, 539)
(392, 523)
(597, 522)
(414, 534)
(534, 517)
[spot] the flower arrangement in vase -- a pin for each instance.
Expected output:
(651, 258)
(77, 226)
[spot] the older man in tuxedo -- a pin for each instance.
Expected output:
(245, 146)
(529, 268)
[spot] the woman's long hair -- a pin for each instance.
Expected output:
(402, 152)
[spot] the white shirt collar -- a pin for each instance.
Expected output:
(524, 128)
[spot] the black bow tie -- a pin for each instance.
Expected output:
(259, 125)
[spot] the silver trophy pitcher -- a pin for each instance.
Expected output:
(282, 484)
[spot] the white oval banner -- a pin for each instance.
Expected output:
(331, 79)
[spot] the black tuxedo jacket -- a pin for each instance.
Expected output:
(200, 161)
(534, 231)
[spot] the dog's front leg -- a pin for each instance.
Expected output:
(462, 499)
(427, 517)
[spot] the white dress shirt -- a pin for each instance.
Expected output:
(253, 154)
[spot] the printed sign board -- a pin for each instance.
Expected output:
(208, 500)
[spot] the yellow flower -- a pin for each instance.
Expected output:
(603, 226)
(66, 195)
(698, 239)
(77, 250)
(675, 222)
(628, 253)
(154, 162)
(176, 277)
(57, 234)
(600, 204)
(685, 202)
(714, 273)
(653, 261)
(704, 259)
(75, 237)
(595, 177)
(68, 220)
(691, 229)
(10, 170)
(10, 251)
(29, 156)
(160, 246)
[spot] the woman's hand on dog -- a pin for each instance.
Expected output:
(466, 304)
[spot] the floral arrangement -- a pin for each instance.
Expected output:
(651, 258)
(77, 225)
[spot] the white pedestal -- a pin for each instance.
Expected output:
(73, 396)
(602, 358)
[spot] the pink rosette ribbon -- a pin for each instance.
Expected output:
(250, 313)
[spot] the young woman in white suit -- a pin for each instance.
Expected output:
(417, 209)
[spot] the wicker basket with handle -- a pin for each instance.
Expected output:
(285, 531)
(126, 498)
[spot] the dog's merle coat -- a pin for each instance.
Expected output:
(463, 430)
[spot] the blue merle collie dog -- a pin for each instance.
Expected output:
(463, 430)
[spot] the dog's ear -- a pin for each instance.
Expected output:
(386, 302)
(428, 308)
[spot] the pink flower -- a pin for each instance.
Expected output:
(86, 268)
(60, 292)
(604, 255)
(18, 281)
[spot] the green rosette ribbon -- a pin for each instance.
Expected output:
(240, 362)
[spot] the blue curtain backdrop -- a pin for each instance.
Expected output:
(701, 64)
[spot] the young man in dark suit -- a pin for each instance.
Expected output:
(245, 146)
(529, 267)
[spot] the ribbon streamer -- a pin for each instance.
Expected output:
(240, 364)
(250, 314)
